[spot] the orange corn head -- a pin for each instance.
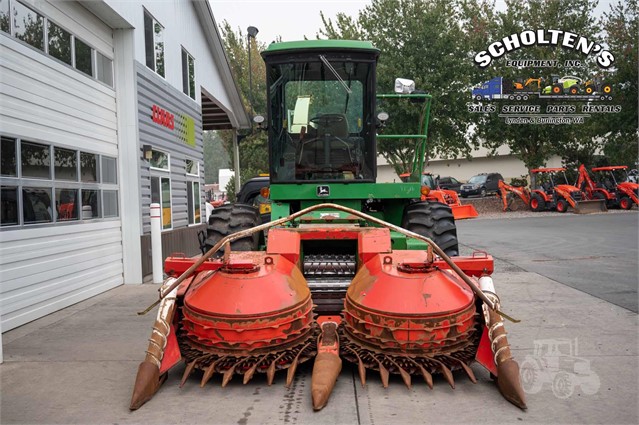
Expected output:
(407, 313)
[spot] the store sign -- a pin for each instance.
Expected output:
(183, 124)
(163, 117)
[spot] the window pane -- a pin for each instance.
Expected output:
(36, 204)
(191, 77)
(9, 206)
(66, 166)
(67, 204)
(109, 170)
(90, 204)
(88, 167)
(166, 203)
(155, 190)
(8, 157)
(185, 73)
(192, 167)
(29, 26)
(189, 202)
(83, 57)
(36, 160)
(59, 43)
(148, 41)
(4, 16)
(110, 203)
(159, 160)
(196, 193)
(104, 69)
(158, 39)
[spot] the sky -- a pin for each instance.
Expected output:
(294, 19)
(290, 19)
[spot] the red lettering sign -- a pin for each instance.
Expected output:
(163, 117)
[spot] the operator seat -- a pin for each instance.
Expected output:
(331, 148)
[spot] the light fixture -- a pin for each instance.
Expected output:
(147, 152)
(252, 31)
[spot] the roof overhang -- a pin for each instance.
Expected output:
(236, 115)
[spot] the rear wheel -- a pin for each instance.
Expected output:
(562, 206)
(435, 221)
(228, 219)
(625, 203)
(537, 203)
(573, 89)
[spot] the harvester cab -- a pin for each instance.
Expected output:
(554, 192)
(351, 269)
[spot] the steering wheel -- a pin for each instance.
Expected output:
(326, 119)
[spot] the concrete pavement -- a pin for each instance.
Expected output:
(78, 365)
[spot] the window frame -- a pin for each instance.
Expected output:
(53, 185)
(186, 77)
(161, 177)
(154, 21)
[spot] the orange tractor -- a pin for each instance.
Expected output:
(432, 192)
(611, 187)
(351, 269)
(551, 194)
(508, 194)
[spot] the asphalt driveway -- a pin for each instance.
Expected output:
(597, 254)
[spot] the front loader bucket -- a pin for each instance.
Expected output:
(589, 207)
(461, 212)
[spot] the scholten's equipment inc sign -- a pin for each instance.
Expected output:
(543, 37)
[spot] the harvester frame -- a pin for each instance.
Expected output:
(350, 269)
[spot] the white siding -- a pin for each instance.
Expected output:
(182, 27)
(48, 267)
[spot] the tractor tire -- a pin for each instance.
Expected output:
(435, 221)
(573, 89)
(563, 385)
(228, 219)
(625, 202)
(562, 206)
(531, 376)
(537, 203)
(557, 89)
(590, 89)
(606, 88)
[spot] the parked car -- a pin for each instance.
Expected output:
(449, 183)
(481, 184)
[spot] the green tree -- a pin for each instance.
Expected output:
(215, 156)
(533, 144)
(423, 41)
(619, 130)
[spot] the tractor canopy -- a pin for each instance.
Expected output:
(321, 111)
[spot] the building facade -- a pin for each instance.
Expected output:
(102, 108)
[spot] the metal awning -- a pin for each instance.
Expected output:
(213, 116)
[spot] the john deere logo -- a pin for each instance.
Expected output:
(323, 191)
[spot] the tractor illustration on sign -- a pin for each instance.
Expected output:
(555, 362)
